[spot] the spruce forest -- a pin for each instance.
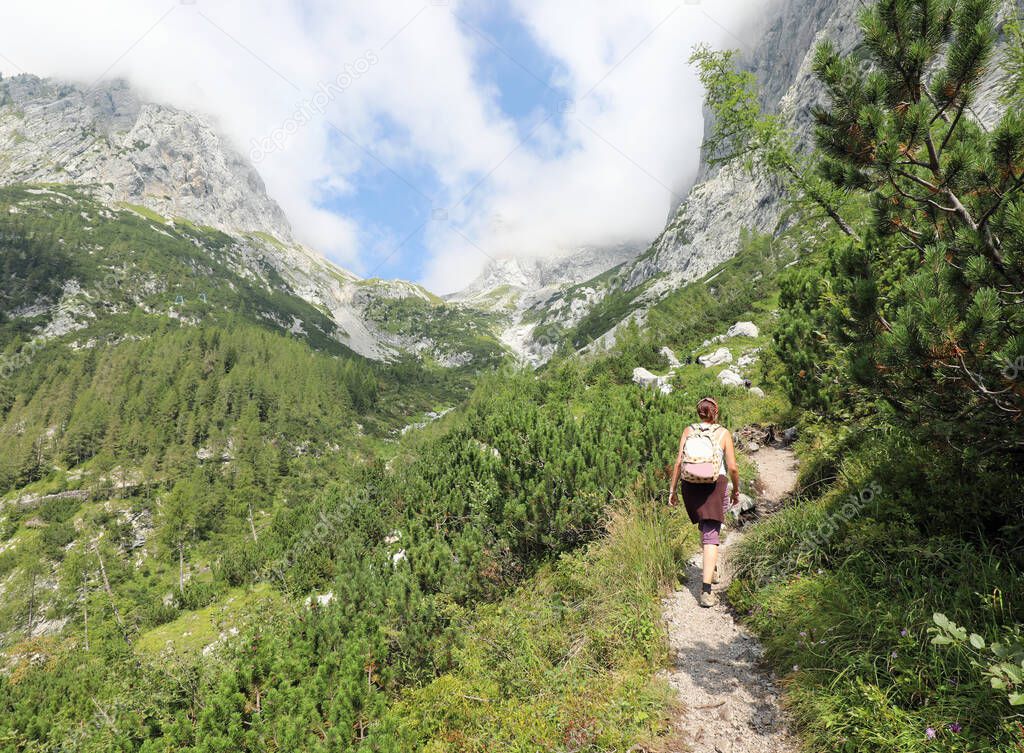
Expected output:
(219, 532)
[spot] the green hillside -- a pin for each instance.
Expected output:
(219, 532)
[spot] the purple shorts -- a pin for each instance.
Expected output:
(709, 532)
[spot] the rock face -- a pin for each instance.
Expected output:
(560, 290)
(168, 160)
(533, 276)
(704, 230)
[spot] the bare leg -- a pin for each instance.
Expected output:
(710, 560)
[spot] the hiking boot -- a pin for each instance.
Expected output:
(708, 599)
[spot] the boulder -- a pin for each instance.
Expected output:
(719, 357)
(756, 392)
(670, 356)
(743, 329)
(789, 435)
(644, 378)
(744, 504)
(730, 378)
(747, 359)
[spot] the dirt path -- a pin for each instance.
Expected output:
(728, 702)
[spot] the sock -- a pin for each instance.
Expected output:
(705, 587)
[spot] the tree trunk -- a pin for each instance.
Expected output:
(85, 619)
(252, 525)
(31, 604)
(110, 591)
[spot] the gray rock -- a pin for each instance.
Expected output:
(743, 329)
(670, 356)
(165, 159)
(718, 358)
(730, 378)
(645, 378)
(756, 391)
(746, 503)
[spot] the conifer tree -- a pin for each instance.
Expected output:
(936, 303)
(926, 295)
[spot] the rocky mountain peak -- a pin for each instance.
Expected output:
(168, 160)
(535, 274)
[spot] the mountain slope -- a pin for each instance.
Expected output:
(173, 168)
(706, 228)
(167, 159)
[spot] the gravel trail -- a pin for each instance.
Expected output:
(728, 702)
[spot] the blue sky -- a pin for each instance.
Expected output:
(392, 212)
(456, 131)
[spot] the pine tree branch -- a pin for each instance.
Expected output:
(821, 202)
(1018, 183)
(919, 180)
(952, 127)
(935, 166)
(989, 395)
(936, 205)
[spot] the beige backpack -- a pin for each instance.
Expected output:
(702, 455)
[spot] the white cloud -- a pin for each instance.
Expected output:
(254, 67)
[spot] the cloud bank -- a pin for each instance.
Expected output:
(419, 139)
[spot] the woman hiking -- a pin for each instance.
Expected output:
(706, 453)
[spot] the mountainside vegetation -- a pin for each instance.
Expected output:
(221, 531)
(400, 554)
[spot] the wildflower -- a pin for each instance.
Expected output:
(893, 655)
(930, 733)
(904, 632)
(955, 727)
(803, 633)
(796, 667)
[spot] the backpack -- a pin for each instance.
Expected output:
(702, 455)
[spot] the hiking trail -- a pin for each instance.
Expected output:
(727, 702)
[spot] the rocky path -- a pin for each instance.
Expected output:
(727, 702)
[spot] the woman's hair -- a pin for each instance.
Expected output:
(707, 408)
